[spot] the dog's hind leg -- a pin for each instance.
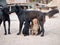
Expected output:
(42, 28)
(9, 27)
(4, 28)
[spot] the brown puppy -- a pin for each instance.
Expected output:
(35, 26)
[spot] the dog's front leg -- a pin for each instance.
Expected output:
(20, 26)
(9, 27)
(4, 28)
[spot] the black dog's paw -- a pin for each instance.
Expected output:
(5, 33)
(25, 35)
(18, 33)
(9, 33)
(39, 33)
(42, 35)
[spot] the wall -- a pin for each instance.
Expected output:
(3, 2)
(16, 1)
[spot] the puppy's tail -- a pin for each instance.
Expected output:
(52, 12)
(0, 22)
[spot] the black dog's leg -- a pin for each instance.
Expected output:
(9, 27)
(39, 32)
(42, 28)
(20, 27)
(0, 21)
(26, 27)
(4, 28)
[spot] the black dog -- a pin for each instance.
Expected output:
(27, 16)
(4, 16)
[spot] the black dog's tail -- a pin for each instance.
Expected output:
(52, 12)
(0, 21)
